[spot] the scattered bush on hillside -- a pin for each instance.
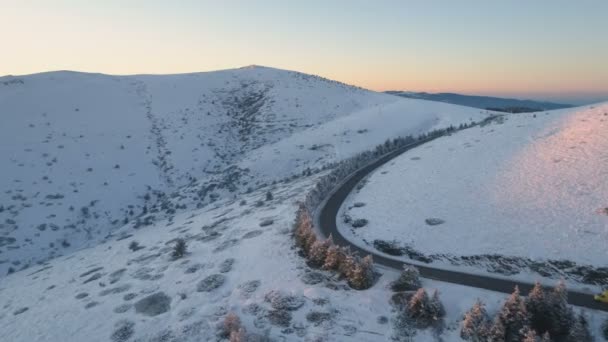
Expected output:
(409, 280)
(179, 249)
(232, 328)
(542, 313)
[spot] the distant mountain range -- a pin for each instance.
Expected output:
(483, 102)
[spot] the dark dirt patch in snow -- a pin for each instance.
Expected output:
(312, 278)
(211, 283)
(434, 221)
(225, 245)
(359, 223)
(123, 331)
(317, 317)
(123, 308)
(250, 286)
(266, 223)
(154, 304)
(280, 318)
(226, 265)
(252, 234)
(282, 301)
(20, 311)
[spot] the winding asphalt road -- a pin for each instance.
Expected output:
(327, 223)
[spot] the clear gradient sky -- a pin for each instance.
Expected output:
(551, 49)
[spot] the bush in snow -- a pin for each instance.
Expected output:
(269, 196)
(409, 280)
(179, 249)
(476, 324)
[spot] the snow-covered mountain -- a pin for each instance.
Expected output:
(484, 102)
(84, 154)
(120, 167)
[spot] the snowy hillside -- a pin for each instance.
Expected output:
(127, 166)
(84, 154)
(240, 259)
(530, 187)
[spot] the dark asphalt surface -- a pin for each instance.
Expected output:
(328, 217)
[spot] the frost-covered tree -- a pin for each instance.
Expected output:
(497, 331)
(559, 313)
(476, 323)
(436, 306)
(179, 249)
(409, 280)
(334, 258)
(579, 332)
(269, 196)
(423, 309)
(362, 275)
(348, 264)
(318, 251)
(529, 336)
(538, 309)
(514, 317)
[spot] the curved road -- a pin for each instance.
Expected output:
(327, 223)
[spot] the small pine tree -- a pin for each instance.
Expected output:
(318, 251)
(418, 304)
(422, 310)
(546, 337)
(476, 324)
(179, 249)
(333, 258)
(497, 331)
(436, 307)
(513, 317)
(409, 280)
(347, 265)
(362, 276)
(560, 314)
(538, 310)
(269, 196)
(133, 246)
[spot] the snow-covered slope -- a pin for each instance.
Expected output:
(531, 186)
(84, 154)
